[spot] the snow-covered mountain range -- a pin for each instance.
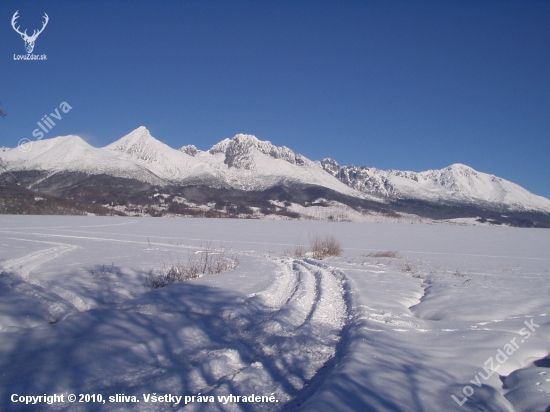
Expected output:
(243, 162)
(457, 183)
(246, 164)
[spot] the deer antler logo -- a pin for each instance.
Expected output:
(29, 40)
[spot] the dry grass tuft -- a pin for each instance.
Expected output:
(325, 247)
(203, 262)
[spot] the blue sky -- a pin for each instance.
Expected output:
(409, 85)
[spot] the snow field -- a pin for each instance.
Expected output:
(350, 333)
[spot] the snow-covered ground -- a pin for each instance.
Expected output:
(459, 312)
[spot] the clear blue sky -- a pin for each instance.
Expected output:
(410, 85)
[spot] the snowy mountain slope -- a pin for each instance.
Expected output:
(252, 164)
(170, 164)
(455, 184)
(73, 154)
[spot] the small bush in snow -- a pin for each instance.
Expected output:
(203, 262)
(324, 247)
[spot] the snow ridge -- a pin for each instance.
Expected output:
(190, 149)
(240, 149)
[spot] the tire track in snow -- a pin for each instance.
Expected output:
(58, 301)
(24, 265)
(298, 306)
(342, 345)
(295, 336)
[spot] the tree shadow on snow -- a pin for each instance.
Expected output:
(165, 341)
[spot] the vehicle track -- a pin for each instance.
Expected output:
(57, 301)
(24, 265)
(299, 323)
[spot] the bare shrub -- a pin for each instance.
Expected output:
(203, 262)
(386, 254)
(324, 247)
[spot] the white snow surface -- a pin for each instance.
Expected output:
(359, 332)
